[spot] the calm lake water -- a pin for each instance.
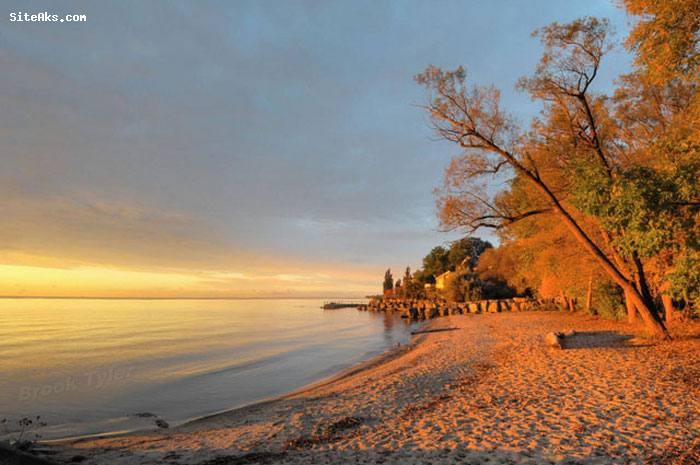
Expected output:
(89, 366)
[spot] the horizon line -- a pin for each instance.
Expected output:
(59, 297)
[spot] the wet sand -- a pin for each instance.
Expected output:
(484, 389)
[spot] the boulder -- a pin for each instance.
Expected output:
(554, 340)
(492, 306)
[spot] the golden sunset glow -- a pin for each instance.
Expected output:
(20, 280)
(28, 280)
(350, 231)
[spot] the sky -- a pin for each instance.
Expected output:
(239, 149)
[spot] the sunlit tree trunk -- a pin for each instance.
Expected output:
(589, 294)
(669, 309)
(632, 294)
(643, 286)
(631, 309)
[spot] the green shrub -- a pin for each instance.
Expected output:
(608, 301)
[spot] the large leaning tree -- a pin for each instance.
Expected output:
(578, 161)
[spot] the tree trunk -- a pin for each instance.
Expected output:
(631, 309)
(589, 294)
(643, 286)
(669, 309)
(655, 327)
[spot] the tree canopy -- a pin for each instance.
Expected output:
(388, 284)
(612, 178)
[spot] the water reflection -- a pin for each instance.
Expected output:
(89, 365)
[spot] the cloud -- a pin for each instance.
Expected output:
(88, 229)
(274, 143)
(87, 245)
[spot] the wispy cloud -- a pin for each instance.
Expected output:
(253, 147)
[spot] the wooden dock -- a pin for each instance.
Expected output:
(337, 304)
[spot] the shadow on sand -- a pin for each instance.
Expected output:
(601, 339)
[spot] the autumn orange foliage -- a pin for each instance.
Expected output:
(601, 190)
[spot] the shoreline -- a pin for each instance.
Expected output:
(348, 372)
(353, 369)
(485, 388)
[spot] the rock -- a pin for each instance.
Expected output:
(160, 423)
(23, 445)
(432, 312)
(10, 455)
(554, 340)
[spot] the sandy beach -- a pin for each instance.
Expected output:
(469, 389)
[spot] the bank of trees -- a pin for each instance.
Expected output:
(602, 190)
(388, 284)
(464, 283)
(464, 252)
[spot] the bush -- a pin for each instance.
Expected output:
(608, 301)
(496, 288)
(464, 286)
